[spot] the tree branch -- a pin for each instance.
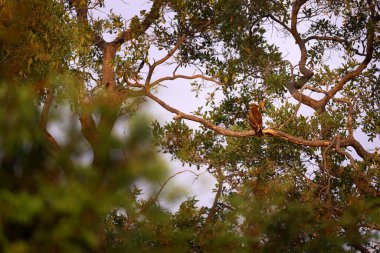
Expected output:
(317, 37)
(279, 22)
(144, 25)
(153, 199)
(162, 60)
(301, 44)
(171, 52)
(81, 8)
(215, 203)
(345, 153)
(270, 132)
(170, 78)
(46, 109)
(351, 75)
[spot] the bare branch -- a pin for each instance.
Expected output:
(203, 121)
(240, 134)
(329, 38)
(296, 94)
(360, 178)
(170, 78)
(154, 198)
(171, 52)
(164, 59)
(279, 22)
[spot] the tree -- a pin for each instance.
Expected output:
(308, 185)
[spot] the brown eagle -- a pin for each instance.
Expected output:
(255, 118)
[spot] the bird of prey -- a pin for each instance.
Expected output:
(255, 118)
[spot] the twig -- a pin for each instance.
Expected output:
(165, 58)
(170, 78)
(154, 198)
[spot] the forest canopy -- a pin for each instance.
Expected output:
(291, 137)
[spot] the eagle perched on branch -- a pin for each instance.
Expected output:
(255, 118)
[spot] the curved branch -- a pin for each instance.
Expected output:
(293, 85)
(206, 123)
(301, 44)
(270, 132)
(171, 52)
(162, 60)
(240, 134)
(345, 153)
(351, 75)
(297, 95)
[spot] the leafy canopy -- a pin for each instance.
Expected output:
(310, 184)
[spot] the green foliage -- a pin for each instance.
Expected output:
(271, 195)
(32, 45)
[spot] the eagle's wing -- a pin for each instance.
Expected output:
(255, 119)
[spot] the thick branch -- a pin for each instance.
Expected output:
(360, 150)
(296, 94)
(360, 179)
(348, 77)
(89, 130)
(108, 73)
(345, 153)
(81, 8)
(293, 29)
(55, 149)
(88, 125)
(270, 132)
